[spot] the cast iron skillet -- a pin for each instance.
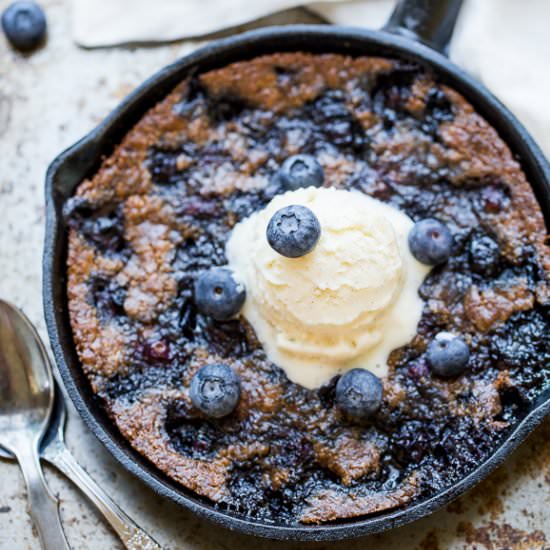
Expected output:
(418, 30)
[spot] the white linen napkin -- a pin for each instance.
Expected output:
(111, 22)
(504, 43)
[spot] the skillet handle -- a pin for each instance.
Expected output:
(429, 21)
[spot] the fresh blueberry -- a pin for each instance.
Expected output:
(24, 24)
(430, 242)
(484, 255)
(215, 390)
(448, 355)
(300, 171)
(218, 294)
(359, 393)
(293, 231)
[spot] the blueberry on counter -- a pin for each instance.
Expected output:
(300, 171)
(359, 393)
(448, 355)
(215, 390)
(218, 294)
(293, 231)
(430, 242)
(24, 24)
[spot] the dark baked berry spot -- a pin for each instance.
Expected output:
(199, 253)
(247, 490)
(156, 349)
(227, 338)
(513, 404)
(192, 436)
(410, 442)
(495, 198)
(438, 106)
(225, 108)
(107, 297)
(484, 255)
(392, 89)
(76, 210)
(418, 369)
(188, 319)
(162, 166)
(524, 340)
(167, 165)
(285, 75)
(192, 99)
(333, 118)
(438, 110)
(103, 226)
(242, 205)
(327, 393)
(197, 208)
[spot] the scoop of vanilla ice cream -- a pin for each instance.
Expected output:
(348, 303)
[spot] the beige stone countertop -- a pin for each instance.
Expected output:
(50, 99)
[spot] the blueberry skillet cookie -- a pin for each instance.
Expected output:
(311, 287)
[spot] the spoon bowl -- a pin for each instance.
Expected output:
(26, 387)
(54, 430)
(26, 403)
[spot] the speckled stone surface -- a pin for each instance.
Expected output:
(48, 101)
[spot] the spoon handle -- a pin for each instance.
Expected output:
(132, 536)
(43, 506)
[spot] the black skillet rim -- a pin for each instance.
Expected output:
(80, 160)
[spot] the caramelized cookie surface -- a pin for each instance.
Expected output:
(159, 211)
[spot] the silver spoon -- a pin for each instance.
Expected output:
(54, 450)
(26, 400)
